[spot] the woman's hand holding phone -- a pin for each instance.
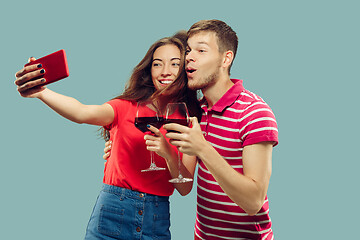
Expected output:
(37, 73)
(29, 80)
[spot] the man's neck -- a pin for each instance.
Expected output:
(214, 92)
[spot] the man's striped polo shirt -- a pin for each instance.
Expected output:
(238, 119)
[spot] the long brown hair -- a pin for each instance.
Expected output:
(140, 86)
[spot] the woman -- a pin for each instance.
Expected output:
(131, 204)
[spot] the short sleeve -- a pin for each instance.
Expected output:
(259, 124)
(118, 106)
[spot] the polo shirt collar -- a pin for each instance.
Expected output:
(227, 99)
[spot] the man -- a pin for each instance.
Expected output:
(233, 142)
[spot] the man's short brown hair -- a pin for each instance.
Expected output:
(226, 37)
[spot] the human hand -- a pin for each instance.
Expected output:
(28, 80)
(188, 140)
(157, 143)
(107, 150)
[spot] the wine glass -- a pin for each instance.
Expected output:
(178, 113)
(148, 114)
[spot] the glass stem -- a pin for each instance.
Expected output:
(152, 158)
(179, 164)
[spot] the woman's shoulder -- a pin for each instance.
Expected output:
(116, 102)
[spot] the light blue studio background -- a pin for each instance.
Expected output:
(302, 57)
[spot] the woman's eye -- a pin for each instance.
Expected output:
(176, 64)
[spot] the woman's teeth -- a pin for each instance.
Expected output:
(165, 82)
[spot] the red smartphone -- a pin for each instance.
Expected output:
(55, 65)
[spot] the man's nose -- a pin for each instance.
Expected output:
(189, 57)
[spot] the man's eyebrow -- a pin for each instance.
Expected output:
(203, 43)
(197, 43)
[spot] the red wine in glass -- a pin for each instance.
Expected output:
(178, 113)
(147, 114)
(180, 121)
(142, 122)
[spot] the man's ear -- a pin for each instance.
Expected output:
(228, 58)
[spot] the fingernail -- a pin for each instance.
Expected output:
(148, 126)
(42, 71)
(39, 65)
(43, 80)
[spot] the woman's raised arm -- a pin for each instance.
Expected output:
(28, 80)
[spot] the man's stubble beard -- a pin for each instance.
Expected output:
(204, 82)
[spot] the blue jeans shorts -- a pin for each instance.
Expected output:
(121, 213)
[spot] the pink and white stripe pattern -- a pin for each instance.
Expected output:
(238, 119)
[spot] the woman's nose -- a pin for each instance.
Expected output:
(165, 71)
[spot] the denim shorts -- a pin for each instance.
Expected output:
(121, 213)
